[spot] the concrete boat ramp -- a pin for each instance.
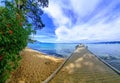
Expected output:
(83, 67)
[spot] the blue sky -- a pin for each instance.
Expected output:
(80, 21)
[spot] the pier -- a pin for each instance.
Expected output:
(83, 67)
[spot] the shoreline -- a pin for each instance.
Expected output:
(34, 67)
(49, 54)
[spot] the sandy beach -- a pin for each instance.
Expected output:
(35, 67)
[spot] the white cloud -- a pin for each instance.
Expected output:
(44, 38)
(95, 29)
(84, 7)
(55, 11)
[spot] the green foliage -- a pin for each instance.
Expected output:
(14, 34)
(33, 10)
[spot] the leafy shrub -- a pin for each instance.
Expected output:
(14, 33)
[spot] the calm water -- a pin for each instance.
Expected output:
(53, 49)
(108, 52)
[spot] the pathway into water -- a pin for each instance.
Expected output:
(84, 67)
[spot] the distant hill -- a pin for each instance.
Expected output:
(110, 42)
(37, 41)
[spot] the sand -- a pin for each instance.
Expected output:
(34, 67)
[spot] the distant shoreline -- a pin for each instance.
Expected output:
(95, 42)
(112, 42)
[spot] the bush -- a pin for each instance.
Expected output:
(13, 38)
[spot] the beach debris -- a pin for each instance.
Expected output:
(47, 63)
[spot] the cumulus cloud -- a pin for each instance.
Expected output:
(85, 20)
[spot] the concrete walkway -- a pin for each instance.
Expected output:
(84, 67)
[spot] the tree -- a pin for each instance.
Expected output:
(13, 38)
(32, 10)
(15, 30)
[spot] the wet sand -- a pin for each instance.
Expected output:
(35, 67)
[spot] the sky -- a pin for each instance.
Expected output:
(73, 21)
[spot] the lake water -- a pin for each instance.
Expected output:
(54, 49)
(108, 52)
